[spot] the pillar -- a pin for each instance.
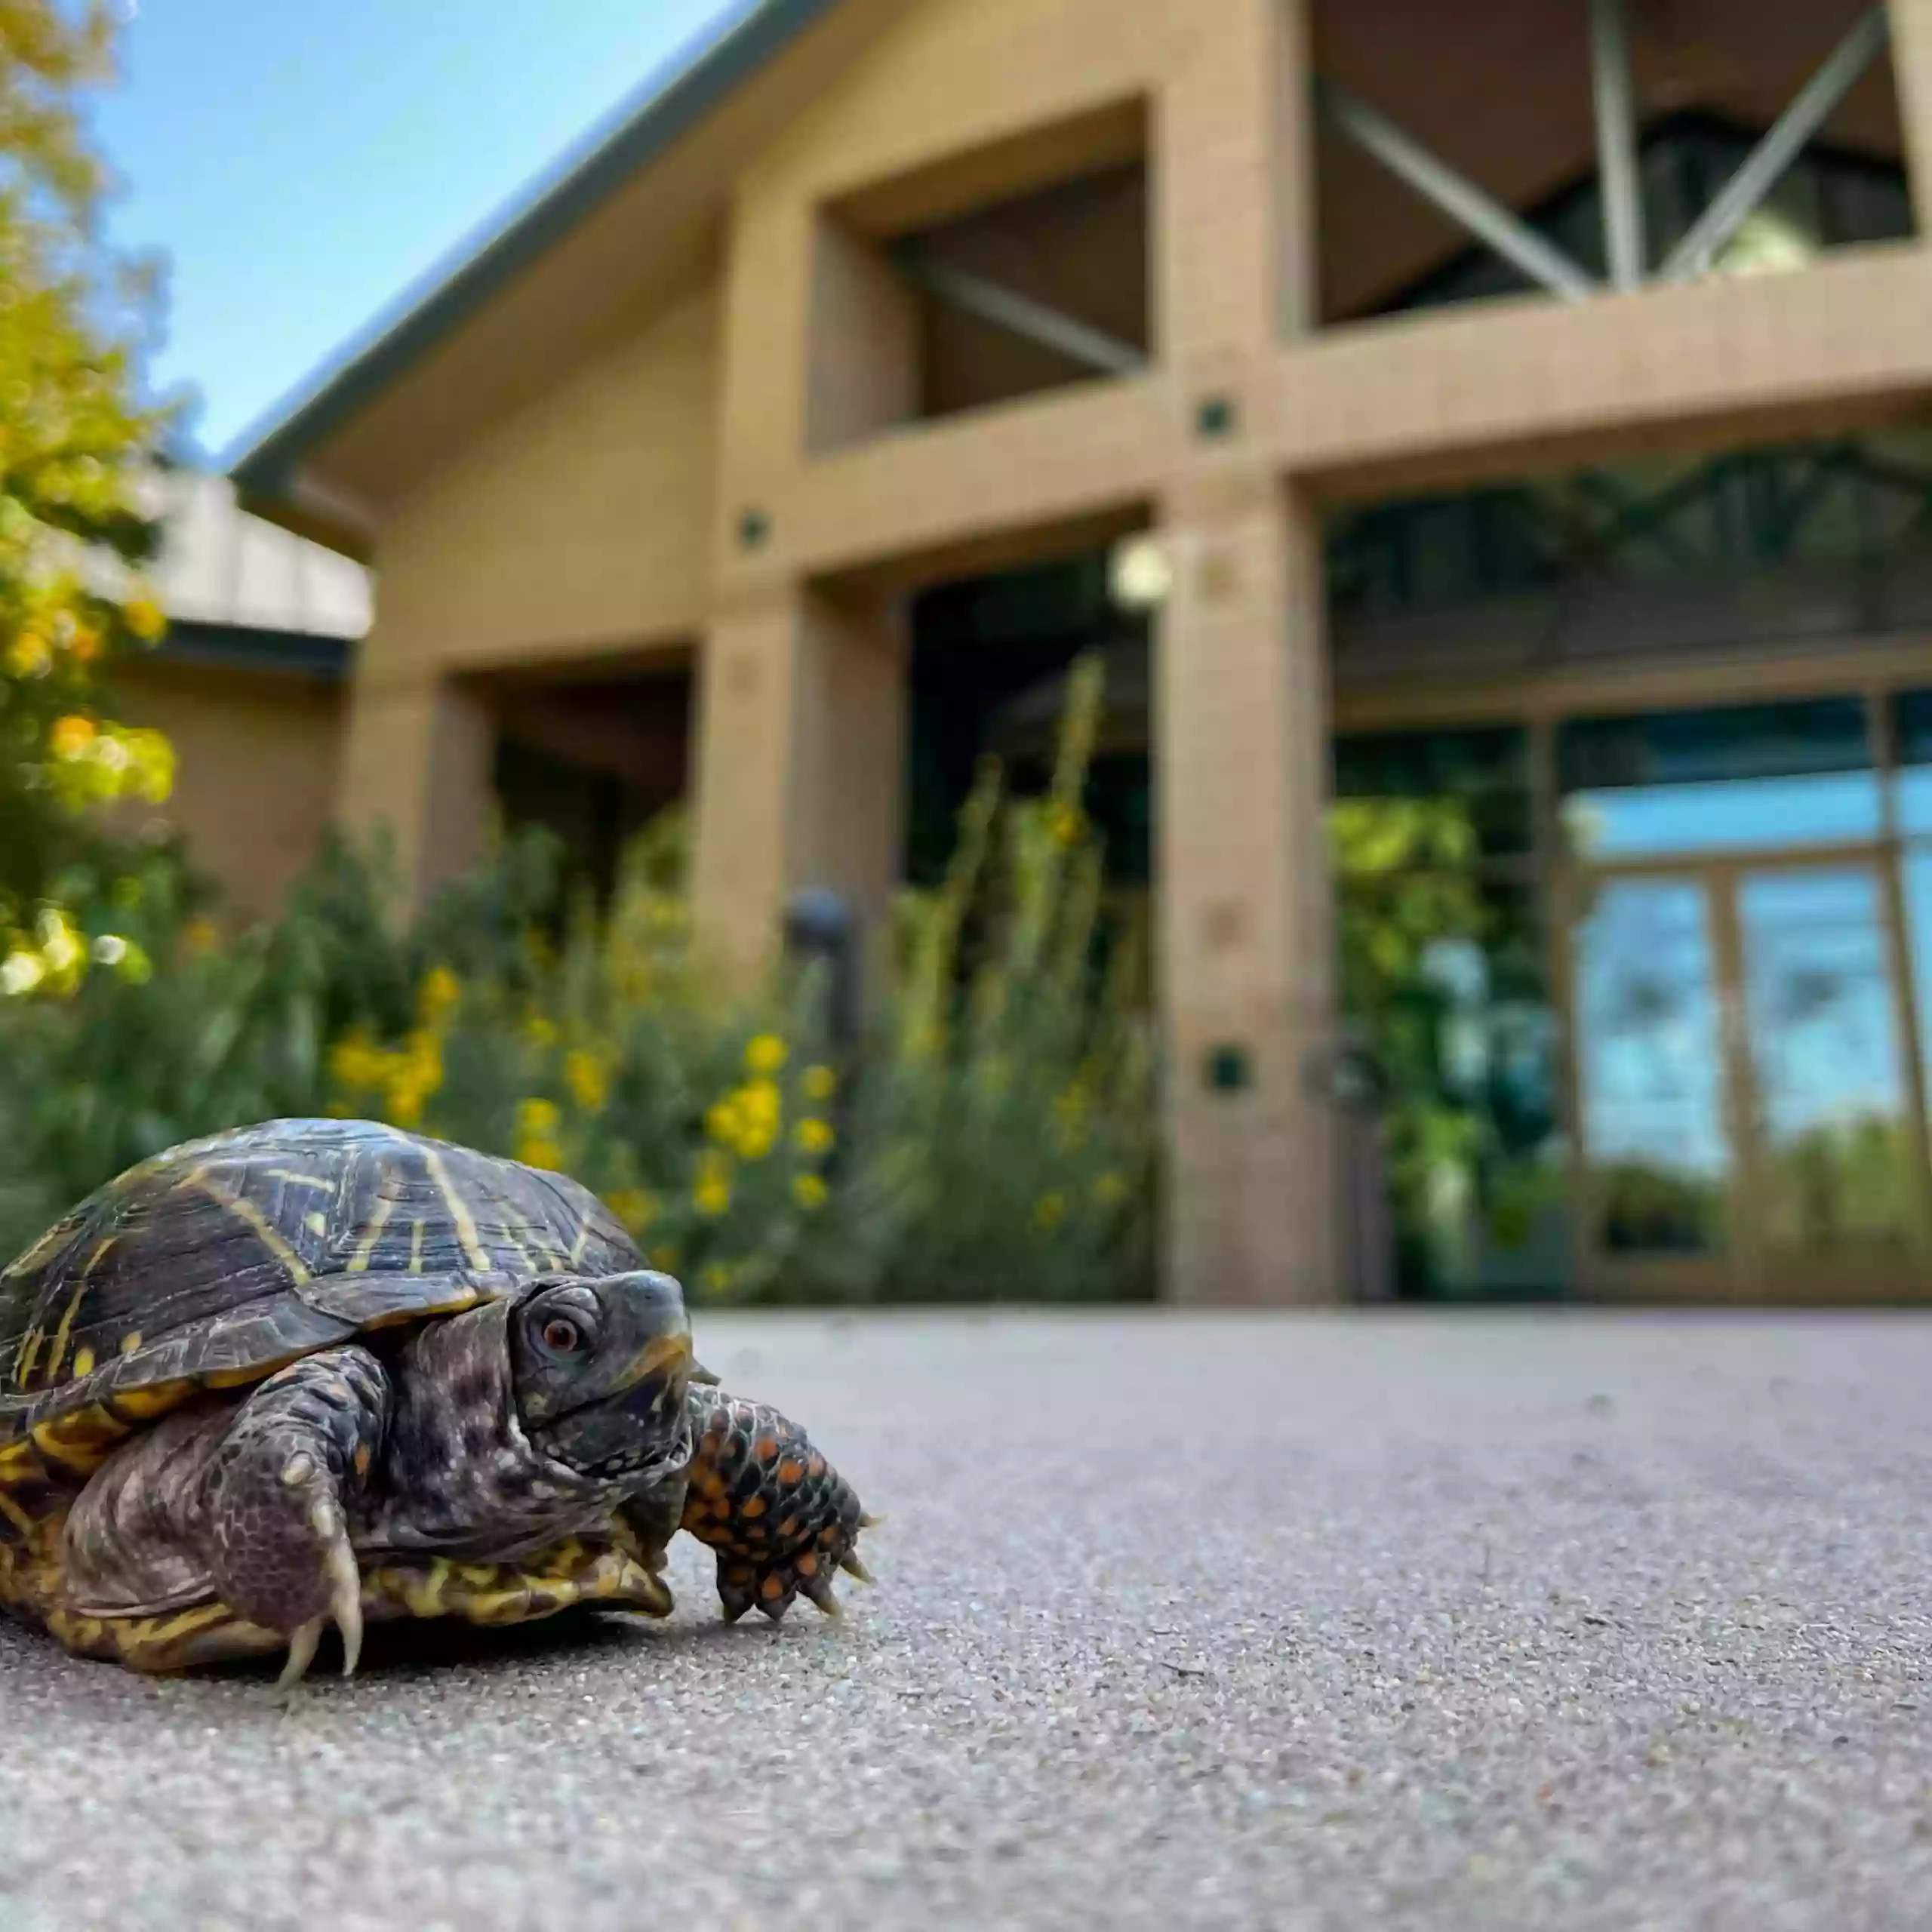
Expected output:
(801, 754)
(1912, 72)
(1241, 741)
(417, 770)
(801, 688)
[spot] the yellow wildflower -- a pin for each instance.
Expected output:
(666, 1257)
(145, 617)
(760, 1103)
(755, 1142)
(635, 1207)
(355, 1062)
(712, 1196)
(541, 1033)
(814, 1137)
(718, 1279)
(71, 737)
(30, 656)
(544, 1154)
(722, 1121)
(538, 1119)
(811, 1192)
(1110, 1190)
(766, 1054)
(1050, 1211)
(438, 995)
(819, 1083)
(587, 1080)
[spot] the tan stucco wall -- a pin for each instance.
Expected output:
(580, 522)
(256, 780)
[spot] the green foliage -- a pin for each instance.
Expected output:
(991, 1136)
(73, 440)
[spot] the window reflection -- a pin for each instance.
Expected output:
(1740, 778)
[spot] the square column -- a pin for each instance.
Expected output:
(417, 768)
(1911, 75)
(801, 774)
(1247, 927)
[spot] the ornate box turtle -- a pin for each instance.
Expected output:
(323, 1370)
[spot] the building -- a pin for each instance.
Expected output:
(250, 682)
(1489, 443)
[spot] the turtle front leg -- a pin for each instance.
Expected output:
(277, 1498)
(780, 1517)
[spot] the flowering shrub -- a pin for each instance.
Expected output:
(991, 1137)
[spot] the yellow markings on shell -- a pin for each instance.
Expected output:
(131, 1341)
(80, 1441)
(19, 1461)
(244, 1210)
(316, 1223)
(15, 1514)
(465, 1222)
(74, 1300)
(295, 1179)
(365, 1249)
(83, 1361)
(416, 1247)
(143, 1404)
(237, 1378)
(23, 1359)
(582, 1242)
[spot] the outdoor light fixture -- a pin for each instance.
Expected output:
(1139, 573)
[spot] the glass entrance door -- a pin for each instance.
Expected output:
(1747, 1123)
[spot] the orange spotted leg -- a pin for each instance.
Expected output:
(781, 1519)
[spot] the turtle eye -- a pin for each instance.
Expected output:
(562, 1337)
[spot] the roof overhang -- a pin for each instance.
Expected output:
(317, 467)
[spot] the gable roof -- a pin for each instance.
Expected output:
(267, 469)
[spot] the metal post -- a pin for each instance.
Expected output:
(1035, 321)
(1458, 198)
(1624, 250)
(1764, 167)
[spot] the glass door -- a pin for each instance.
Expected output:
(1746, 1119)
(1835, 1152)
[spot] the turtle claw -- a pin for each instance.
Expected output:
(345, 1611)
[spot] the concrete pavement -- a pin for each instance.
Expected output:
(1403, 1621)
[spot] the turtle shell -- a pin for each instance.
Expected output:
(214, 1264)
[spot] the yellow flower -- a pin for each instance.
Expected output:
(814, 1137)
(71, 737)
(405, 1105)
(544, 1154)
(1110, 1190)
(762, 1103)
(1066, 823)
(145, 617)
(588, 1080)
(540, 1032)
(811, 1192)
(666, 1257)
(766, 1054)
(30, 656)
(538, 1119)
(719, 1277)
(720, 1120)
(199, 936)
(712, 1196)
(356, 1061)
(1050, 1211)
(819, 1083)
(438, 995)
(635, 1207)
(755, 1143)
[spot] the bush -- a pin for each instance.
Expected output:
(991, 1137)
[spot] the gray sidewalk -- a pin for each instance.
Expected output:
(1398, 1622)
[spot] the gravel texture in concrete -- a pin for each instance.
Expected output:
(1390, 1622)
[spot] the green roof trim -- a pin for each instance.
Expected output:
(749, 39)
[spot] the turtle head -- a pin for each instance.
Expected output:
(602, 1370)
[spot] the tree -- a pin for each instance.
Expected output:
(76, 444)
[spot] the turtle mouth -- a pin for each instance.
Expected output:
(642, 1433)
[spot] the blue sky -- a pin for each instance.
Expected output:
(304, 167)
